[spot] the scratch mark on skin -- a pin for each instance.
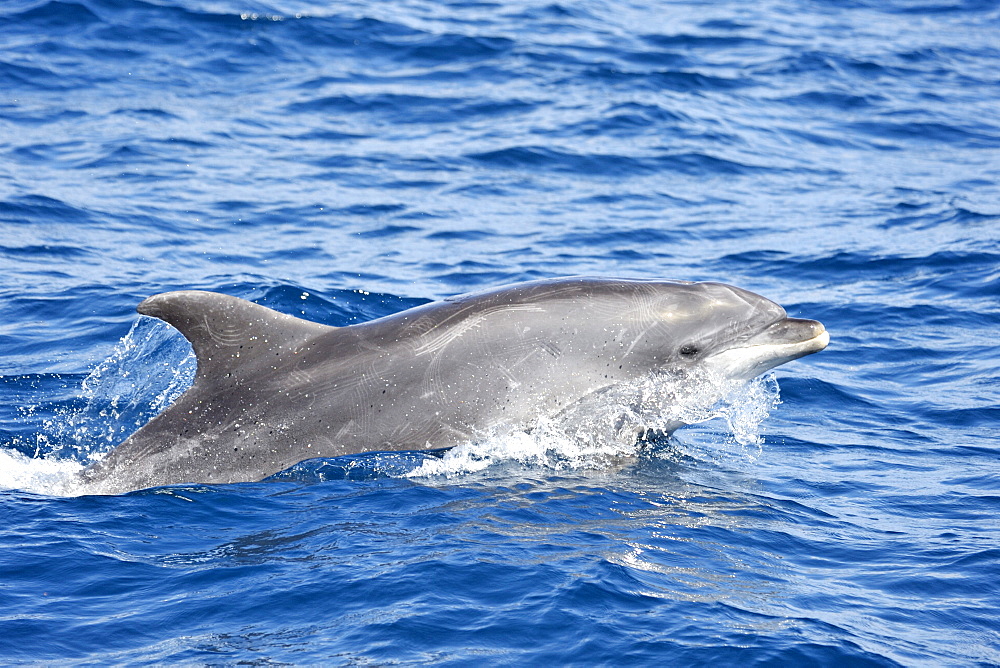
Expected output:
(436, 343)
(225, 336)
(345, 431)
(550, 348)
(300, 376)
(637, 339)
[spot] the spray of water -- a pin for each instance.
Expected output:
(149, 368)
(610, 425)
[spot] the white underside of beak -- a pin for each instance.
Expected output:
(751, 361)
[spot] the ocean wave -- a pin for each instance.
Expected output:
(540, 157)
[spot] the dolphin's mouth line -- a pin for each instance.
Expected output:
(822, 340)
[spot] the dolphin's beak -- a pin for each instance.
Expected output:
(783, 341)
(810, 335)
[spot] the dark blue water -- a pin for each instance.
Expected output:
(344, 161)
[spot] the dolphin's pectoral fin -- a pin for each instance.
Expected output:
(228, 332)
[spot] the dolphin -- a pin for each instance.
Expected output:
(272, 390)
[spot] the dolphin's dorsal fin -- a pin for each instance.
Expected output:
(227, 332)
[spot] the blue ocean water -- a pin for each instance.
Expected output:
(343, 161)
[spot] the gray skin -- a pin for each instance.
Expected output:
(272, 390)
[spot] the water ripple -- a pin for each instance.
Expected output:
(342, 163)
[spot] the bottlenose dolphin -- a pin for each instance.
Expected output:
(272, 390)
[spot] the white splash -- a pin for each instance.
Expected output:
(149, 368)
(608, 425)
(45, 476)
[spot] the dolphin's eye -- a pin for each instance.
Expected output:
(689, 350)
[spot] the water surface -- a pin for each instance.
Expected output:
(342, 162)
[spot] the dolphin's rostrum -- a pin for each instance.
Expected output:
(272, 390)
